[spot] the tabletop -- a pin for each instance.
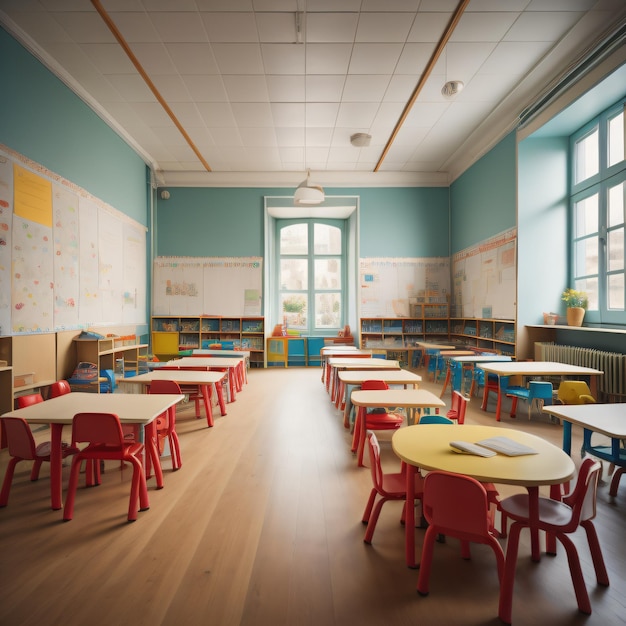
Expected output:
(607, 419)
(481, 358)
(182, 377)
(428, 447)
(129, 407)
(345, 363)
(237, 354)
(427, 345)
(537, 368)
(390, 376)
(408, 398)
(201, 361)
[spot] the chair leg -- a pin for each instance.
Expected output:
(602, 576)
(8, 480)
(369, 506)
(423, 579)
(34, 474)
(582, 597)
(373, 520)
(615, 481)
(505, 608)
(513, 406)
(70, 498)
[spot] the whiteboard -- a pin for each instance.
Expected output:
(485, 278)
(226, 286)
(68, 260)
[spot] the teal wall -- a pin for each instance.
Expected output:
(45, 121)
(394, 222)
(483, 199)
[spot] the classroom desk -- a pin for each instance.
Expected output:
(475, 358)
(447, 355)
(337, 364)
(203, 380)
(349, 378)
(535, 368)
(427, 447)
(233, 365)
(234, 354)
(410, 399)
(141, 409)
(329, 352)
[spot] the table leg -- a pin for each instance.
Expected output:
(219, 389)
(409, 517)
(499, 402)
(567, 437)
(208, 409)
(56, 468)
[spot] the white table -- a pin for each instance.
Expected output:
(203, 380)
(233, 365)
(336, 364)
(141, 409)
(534, 368)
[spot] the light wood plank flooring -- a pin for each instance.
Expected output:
(262, 526)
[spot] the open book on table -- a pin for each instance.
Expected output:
(492, 446)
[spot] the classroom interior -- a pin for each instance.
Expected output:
(263, 523)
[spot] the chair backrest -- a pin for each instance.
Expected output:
(375, 464)
(574, 392)
(369, 385)
(59, 388)
(582, 499)
(456, 504)
(459, 404)
(103, 428)
(111, 385)
(164, 386)
(435, 419)
(29, 400)
(539, 389)
(20, 439)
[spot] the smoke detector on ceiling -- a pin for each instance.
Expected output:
(360, 140)
(451, 88)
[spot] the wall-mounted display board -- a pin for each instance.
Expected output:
(484, 279)
(390, 286)
(226, 286)
(67, 259)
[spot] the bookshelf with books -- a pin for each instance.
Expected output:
(173, 334)
(486, 334)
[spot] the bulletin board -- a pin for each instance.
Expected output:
(67, 259)
(485, 278)
(226, 286)
(389, 285)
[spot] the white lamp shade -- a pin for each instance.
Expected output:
(308, 193)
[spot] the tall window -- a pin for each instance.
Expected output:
(598, 225)
(311, 274)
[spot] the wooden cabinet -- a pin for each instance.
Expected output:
(6, 375)
(488, 334)
(173, 334)
(111, 353)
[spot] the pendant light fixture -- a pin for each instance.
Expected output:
(308, 193)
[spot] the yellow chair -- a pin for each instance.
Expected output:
(574, 392)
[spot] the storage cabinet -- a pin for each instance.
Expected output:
(171, 334)
(488, 334)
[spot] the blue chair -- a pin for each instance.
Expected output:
(110, 385)
(537, 390)
(435, 419)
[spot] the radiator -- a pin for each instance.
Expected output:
(611, 386)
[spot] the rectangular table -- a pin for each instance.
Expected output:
(350, 377)
(203, 380)
(233, 365)
(336, 364)
(139, 409)
(534, 368)
(329, 352)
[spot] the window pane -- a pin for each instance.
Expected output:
(587, 156)
(586, 216)
(294, 274)
(294, 239)
(327, 310)
(616, 139)
(294, 307)
(615, 199)
(616, 292)
(328, 274)
(590, 286)
(616, 249)
(327, 239)
(586, 261)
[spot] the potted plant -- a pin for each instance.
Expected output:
(576, 303)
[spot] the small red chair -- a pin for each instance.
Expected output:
(103, 434)
(457, 506)
(458, 407)
(22, 447)
(372, 420)
(390, 486)
(197, 393)
(166, 422)
(558, 519)
(28, 400)
(59, 388)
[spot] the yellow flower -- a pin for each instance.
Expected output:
(572, 297)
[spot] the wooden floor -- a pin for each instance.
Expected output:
(262, 526)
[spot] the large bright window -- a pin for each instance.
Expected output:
(598, 203)
(311, 274)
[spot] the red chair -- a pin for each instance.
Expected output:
(59, 388)
(372, 420)
(29, 400)
(457, 506)
(387, 486)
(558, 519)
(22, 447)
(103, 434)
(166, 422)
(458, 407)
(197, 393)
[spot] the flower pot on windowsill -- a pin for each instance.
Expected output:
(575, 316)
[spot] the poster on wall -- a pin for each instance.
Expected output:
(388, 286)
(226, 286)
(484, 278)
(67, 259)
